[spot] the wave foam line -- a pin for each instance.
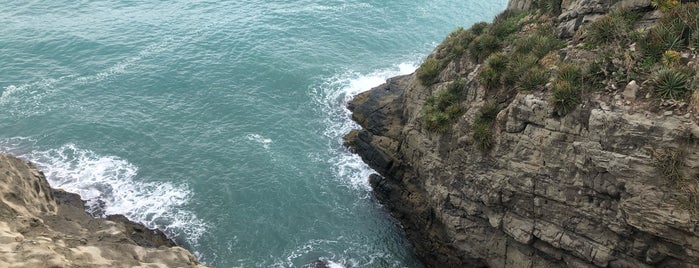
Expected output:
(332, 96)
(108, 184)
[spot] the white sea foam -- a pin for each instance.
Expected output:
(110, 185)
(332, 96)
(257, 138)
(334, 257)
(332, 264)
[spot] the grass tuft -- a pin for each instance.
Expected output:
(570, 73)
(482, 131)
(428, 72)
(443, 108)
(534, 79)
(483, 46)
(616, 26)
(565, 97)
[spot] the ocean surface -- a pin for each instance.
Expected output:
(219, 122)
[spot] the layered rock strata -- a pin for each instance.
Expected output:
(579, 191)
(582, 190)
(44, 227)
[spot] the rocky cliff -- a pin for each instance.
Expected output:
(44, 227)
(586, 189)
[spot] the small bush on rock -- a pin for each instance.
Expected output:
(565, 97)
(443, 108)
(482, 128)
(483, 46)
(428, 72)
(617, 26)
(534, 79)
(671, 58)
(552, 7)
(457, 43)
(671, 84)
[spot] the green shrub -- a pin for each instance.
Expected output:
(670, 164)
(565, 97)
(617, 26)
(678, 29)
(436, 122)
(671, 84)
(482, 129)
(443, 108)
(497, 61)
(483, 136)
(518, 67)
(457, 43)
(428, 71)
(479, 28)
(507, 23)
(483, 46)
(488, 112)
(539, 43)
(491, 74)
(570, 73)
(489, 78)
(534, 79)
(659, 39)
(546, 43)
(552, 7)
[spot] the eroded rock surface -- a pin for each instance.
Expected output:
(43, 227)
(581, 190)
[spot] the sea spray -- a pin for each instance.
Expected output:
(110, 185)
(332, 97)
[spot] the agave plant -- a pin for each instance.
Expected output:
(671, 84)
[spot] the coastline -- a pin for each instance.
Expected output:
(578, 188)
(45, 227)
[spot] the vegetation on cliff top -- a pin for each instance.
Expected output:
(520, 51)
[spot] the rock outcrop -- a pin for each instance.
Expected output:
(44, 227)
(581, 190)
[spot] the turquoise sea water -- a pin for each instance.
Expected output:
(219, 122)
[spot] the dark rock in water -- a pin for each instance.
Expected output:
(317, 264)
(142, 235)
(68, 199)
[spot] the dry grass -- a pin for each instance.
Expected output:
(671, 165)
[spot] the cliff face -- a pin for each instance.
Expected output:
(43, 227)
(582, 190)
